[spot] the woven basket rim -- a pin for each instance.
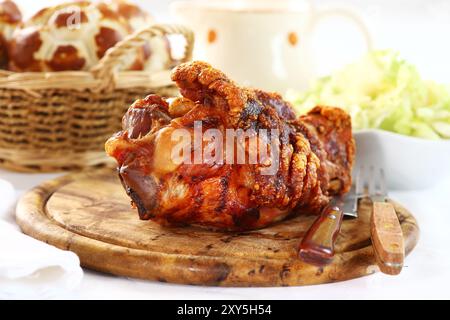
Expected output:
(82, 80)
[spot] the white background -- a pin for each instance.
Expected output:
(420, 30)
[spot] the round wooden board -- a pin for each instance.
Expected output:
(89, 213)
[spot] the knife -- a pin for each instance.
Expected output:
(317, 246)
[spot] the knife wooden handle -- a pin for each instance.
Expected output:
(317, 247)
(387, 238)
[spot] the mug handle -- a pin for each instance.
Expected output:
(319, 14)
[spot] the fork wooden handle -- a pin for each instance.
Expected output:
(317, 246)
(387, 238)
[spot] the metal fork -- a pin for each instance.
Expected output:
(385, 228)
(377, 185)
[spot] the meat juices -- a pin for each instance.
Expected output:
(316, 153)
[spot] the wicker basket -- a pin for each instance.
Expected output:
(60, 120)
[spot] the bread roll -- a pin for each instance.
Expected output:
(10, 18)
(70, 36)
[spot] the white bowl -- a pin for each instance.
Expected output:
(409, 163)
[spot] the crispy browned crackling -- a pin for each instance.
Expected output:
(316, 155)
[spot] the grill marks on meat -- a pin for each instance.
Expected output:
(316, 155)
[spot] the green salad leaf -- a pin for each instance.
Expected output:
(383, 91)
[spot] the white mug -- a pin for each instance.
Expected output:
(264, 44)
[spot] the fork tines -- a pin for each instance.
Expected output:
(370, 181)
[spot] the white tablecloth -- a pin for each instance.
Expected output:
(426, 274)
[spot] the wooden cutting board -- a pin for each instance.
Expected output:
(88, 213)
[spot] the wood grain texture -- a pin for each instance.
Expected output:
(387, 238)
(88, 213)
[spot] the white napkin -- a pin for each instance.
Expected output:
(30, 269)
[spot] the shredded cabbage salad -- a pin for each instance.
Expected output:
(385, 92)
